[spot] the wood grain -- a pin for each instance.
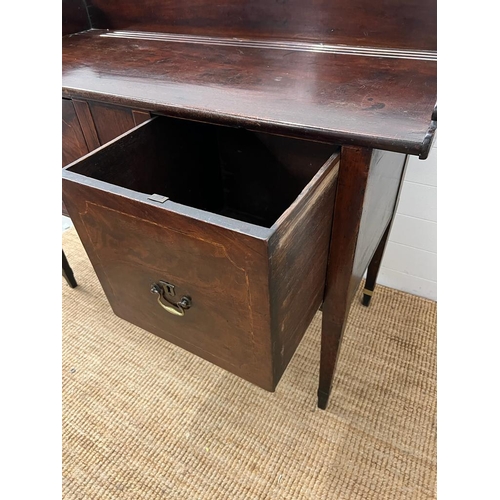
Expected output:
(140, 116)
(351, 188)
(75, 17)
(73, 141)
(382, 190)
(248, 227)
(299, 254)
(393, 23)
(132, 246)
(367, 101)
(110, 121)
(391, 193)
(87, 123)
(222, 264)
(368, 189)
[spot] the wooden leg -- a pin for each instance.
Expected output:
(353, 176)
(367, 196)
(67, 272)
(373, 268)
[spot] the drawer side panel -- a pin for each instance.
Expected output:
(299, 254)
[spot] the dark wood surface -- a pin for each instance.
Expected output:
(110, 121)
(232, 172)
(75, 17)
(140, 116)
(222, 271)
(379, 102)
(79, 130)
(384, 180)
(353, 177)
(373, 268)
(74, 145)
(299, 254)
(67, 272)
(87, 123)
(223, 264)
(376, 260)
(392, 23)
(73, 141)
(358, 74)
(369, 186)
(101, 123)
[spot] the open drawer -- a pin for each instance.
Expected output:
(213, 238)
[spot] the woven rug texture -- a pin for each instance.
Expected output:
(143, 419)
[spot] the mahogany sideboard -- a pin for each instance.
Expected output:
(232, 167)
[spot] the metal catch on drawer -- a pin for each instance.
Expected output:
(163, 289)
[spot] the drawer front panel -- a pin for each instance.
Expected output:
(226, 279)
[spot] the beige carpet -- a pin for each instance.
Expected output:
(142, 419)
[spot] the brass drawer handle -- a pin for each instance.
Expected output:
(178, 308)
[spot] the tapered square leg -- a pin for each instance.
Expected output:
(367, 195)
(67, 272)
(353, 175)
(373, 268)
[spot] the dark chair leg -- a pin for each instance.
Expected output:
(67, 272)
(374, 266)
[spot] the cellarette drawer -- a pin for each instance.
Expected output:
(214, 238)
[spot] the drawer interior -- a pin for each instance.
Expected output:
(248, 176)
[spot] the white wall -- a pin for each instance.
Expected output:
(409, 262)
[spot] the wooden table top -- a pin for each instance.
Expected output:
(373, 97)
